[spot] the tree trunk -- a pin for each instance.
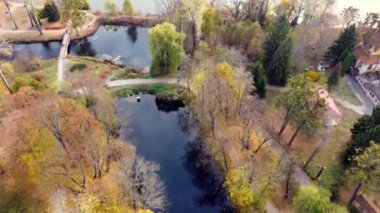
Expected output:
(108, 163)
(224, 155)
(295, 134)
(312, 156)
(288, 183)
(355, 193)
(284, 124)
(5, 82)
(319, 173)
(76, 30)
(29, 14)
(10, 13)
(35, 17)
(194, 34)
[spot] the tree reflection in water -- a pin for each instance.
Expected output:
(205, 174)
(83, 47)
(132, 33)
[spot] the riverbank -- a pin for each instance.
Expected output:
(88, 29)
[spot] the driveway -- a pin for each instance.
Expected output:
(367, 105)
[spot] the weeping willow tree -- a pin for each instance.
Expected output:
(166, 48)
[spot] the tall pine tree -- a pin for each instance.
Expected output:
(272, 43)
(259, 79)
(278, 69)
(347, 40)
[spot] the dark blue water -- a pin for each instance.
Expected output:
(130, 43)
(160, 137)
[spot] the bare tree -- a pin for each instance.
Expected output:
(141, 182)
(235, 7)
(10, 13)
(168, 7)
(5, 82)
(32, 15)
(350, 15)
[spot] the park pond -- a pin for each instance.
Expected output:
(126, 45)
(164, 135)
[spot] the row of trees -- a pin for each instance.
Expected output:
(112, 7)
(71, 144)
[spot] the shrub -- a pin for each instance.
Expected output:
(331, 179)
(36, 84)
(78, 66)
(23, 82)
(50, 11)
(18, 83)
(259, 79)
(123, 74)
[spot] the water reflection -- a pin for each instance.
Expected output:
(83, 47)
(132, 33)
(160, 137)
(132, 47)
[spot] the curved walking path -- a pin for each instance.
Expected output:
(137, 81)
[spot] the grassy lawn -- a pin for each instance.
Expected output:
(46, 68)
(103, 70)
(343, 91)
(148, 88)
(271, 96)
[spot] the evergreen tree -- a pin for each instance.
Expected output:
(276, 35)
(50, 11)
(259, 79)
(366, 171)
(346, 40)
(366, 129)
(347, 62)
(277, 48)
(278, 69)
(333, 79)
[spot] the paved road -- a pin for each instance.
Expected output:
(367, 105)
(130, 82)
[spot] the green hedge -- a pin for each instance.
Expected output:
(78, 66)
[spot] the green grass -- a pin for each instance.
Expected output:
(49, 72)
(148, 88)
(343, 91)
(332, 178)
(271, 96)
(165, 91)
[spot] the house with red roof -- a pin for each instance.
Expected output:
(366, 60)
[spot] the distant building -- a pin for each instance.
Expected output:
(332, 115)
(366, 60)
(322, 66)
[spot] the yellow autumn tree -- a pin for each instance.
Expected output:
(7, 68)
(239, 188)
(39, 144)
